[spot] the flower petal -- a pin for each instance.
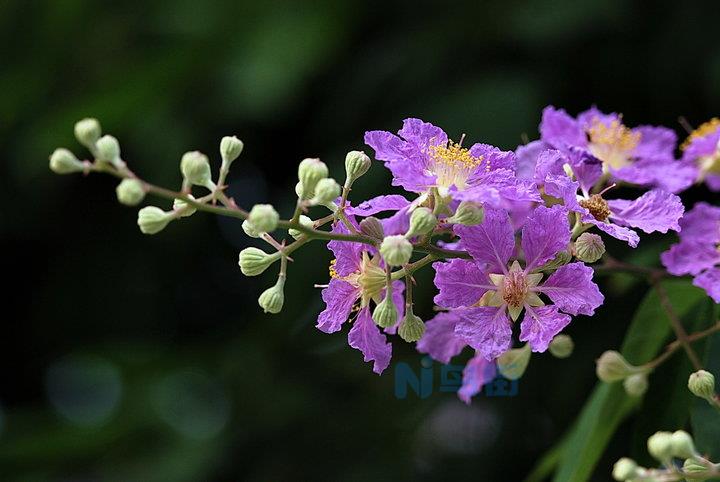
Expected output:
(492, 242)
(710, 282)
(366, 337)
(439, 340)
(460, 282)
(486, 329)
(701, 223)
(339, 297)
(392, 202)
(655, 210)
(558, 129)
(477, 373)
(545, 233)
(348, 255)
(540, 325)
(690, 257)
(572, 289)
(618, 232)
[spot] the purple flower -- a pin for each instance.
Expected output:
(439, 340)
(701, 152)
(642, 155)
(422, 158)
(477, 373)
(491, 292)
(698, 252)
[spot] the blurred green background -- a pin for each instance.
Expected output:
(135, 358)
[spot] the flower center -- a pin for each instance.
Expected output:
(597, 206)
(452, 165)
(706, 128)
(514, 288)
(612, 143)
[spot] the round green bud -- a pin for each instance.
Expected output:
(152, 219)
(692, 466)
(561, 346)
(589, 247)
(108, 149)
(357, 163)
(305, 221)
(87, 132)
(371, 226)
(683, 446)
(62, 161)
(702, 384)
(422, 221)
(264, 218)
(271, 300)
(254, 261)
(513, 363)
(660, 446)
(411, 328)
(250, 230)
(468, 213)
(326, 191)
(310, 171)
(184, 208)
(195, 169)
(396, 250)
(612, 367)
(624, 469)
(230, 148)
(130, 192)
(385, 313)
(636, 385)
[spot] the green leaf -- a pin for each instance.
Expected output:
(608, 405)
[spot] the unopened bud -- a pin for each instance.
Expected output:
(411, 328)
(185, 209)
(624, 469)
(250, 230)
(660, 446)
(62, 161)
(152, 219)
(692, 466)
(310, 171)
(264, 218)
(561, 346)
(636, 385)
(589, 247)
(130, 192)
(254, 261)
(271, 300)
(357, 163)
(371, 226)
(108, 149)
(230, 149)
(326, 191)
(195, 168)
(683, 446)
(612, 367)
(396, 250)
(513, 363)
(468, 213)
(304, 221)
(87, 132)
(422, 221)
(385, 313)
(702, 384)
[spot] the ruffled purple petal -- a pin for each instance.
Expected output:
(460, 283)
(527, 156)
(492, 158)
(348, 255)
(690, 257)
(572, 289)
(492, 242)
(339, 298)
(540, 325)
(701, 223)
(653, 211)
(618, 232)
(545, 233)
(392, 202)
(709, 281)
(492, 186)
(713, 182)
(587, 168)
(656, 143)
(477, 373)
(410, 175)
(559, 130)
(422, 134)
(702, 146)
(550, 161)
(486, 329)
(667, 174)
(367, 337)
(439, 340)
(388, 147)
(562, 187)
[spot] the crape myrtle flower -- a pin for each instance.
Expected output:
(698, 252)
(489, 293)
(701, 152)
(357, 278)
(422, 158)
(642, 155)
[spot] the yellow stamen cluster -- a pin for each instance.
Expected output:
(331, 268)
(706, 128)
(452, 164)
(616, 134)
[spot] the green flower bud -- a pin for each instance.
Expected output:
(254, 261)
(62, 161)
(87, 132)
(184, 208)
(561, 259)
(561, 346)
(326, 191)
(612, 367)
(264, 218)
(624, 469)
(468, 213)
(250, 230)
(303, 220)
(411, 328)
(396, 250)
(422, 221)
(660, 446)
(108, 149)
(230, 149)
(195, 169)
(692, 466)
(130, 192)
(513, 363)
(589, 247)
(683, 446)
(310, 171)
(357, 163)
(385, 313)
(372, 227)
(636, 385)
(152, 219)
(702, 384)
(271, 300)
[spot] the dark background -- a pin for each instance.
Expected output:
(133, 358)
